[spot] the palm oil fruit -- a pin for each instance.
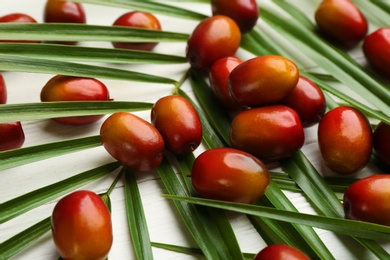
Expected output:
(308, 100)
(230, 175)
(263, 80)
(244, 12)
(381, 143)
(81, 226)
(132, 141)
(178, 122)
(281, 252)
(11, 136)
(137, 19)
(376, 49)
(18, 18)
(345, 140)
(213, 38)
(64, 11)
(341, 22)
(367, 199)
(3, 90)
(70, 88)
(269, 133)
(219, 76)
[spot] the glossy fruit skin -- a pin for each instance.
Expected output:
(133, 141)
(269, 133)
(3, 90)
(69, 88)
(368, 199)
(213, 38)
(263, 80)
(308, 100)
(178, 122)
(229, 174)
(140, 20)
(219, 81)
(376, 49)
(345, 140)
(11, 136)
(18, 18)
(63, 11)
(81, 226)
(281, 252)
(244, 12)
(381, 143)
(341, 21)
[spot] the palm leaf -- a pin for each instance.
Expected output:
(89, 54)
(46, 110)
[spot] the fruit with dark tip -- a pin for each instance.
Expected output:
(381, 138)
(178, 122)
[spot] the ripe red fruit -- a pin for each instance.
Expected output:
(308, 100)
(341, 21)
(3, 91)
(132, 141)
(11, 136)
(376, 49)
(281, 252)
(269, 133)
(345, 140)
(64, 11)
(178, 122)
(213, 38)
(229, 174)
(263, 80)
(81, 226)
(368, 199)
(382, 142)
(219, 75)
(244, 12)
(140, 20)
(18, 18)
(69, 88)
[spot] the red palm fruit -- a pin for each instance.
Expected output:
(18, 18)
(382, 142)
(11, 136)
(341, 21)
(219, 76)
(213, 38)
(244, 12)
(376, 49)
(139, 20)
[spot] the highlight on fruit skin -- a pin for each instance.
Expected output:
(341, 21)
(133, 141)
(178, 122)
(137, 19)
(376, 50)
(244, 12)
(229, 174)
(213, 38)
(71, 88)
(368, 199)
(280, 252)
(81, 226)
(345, 140)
